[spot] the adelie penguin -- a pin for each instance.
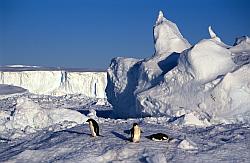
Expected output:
(135, 132)
(94, 128)
(159, 137)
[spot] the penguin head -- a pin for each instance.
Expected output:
(89, 120)
(135, 124)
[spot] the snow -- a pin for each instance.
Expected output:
(167, 37)
(59, 82)
(207, 53)
(216, 39)
(187, 145)
(28, 117)
(128, 76)
(192, 119)
(22, 66)
(122, 73)
(212, 34)
(242, 44)
(33, 140)
(198, 96)
(233, 93)
(214, 143)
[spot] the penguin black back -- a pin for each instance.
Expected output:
(159, 137)
(94, 125)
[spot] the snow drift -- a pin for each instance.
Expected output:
(28, 117)
(192, 85)
(57, 82)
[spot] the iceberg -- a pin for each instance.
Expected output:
(167, 37)
(201, 84)
(127, 77)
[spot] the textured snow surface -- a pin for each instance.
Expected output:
(214, 144)
(200, 85)
(59, 82)
(28, 117)
(189, 144)
(39, 128)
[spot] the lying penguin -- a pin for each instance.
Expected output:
(94, 128)
(135, 132)
(159, 137)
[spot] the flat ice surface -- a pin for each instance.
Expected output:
(8, 89)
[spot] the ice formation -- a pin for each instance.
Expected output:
(207, 53)
(241, 45)
(213, 35)
(167, 37)
(191, 85)
(91, 84)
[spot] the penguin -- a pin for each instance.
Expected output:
(135, 132)
(159, 137)
(94, 128)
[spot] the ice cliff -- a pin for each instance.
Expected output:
(209, 81)
(56, 82)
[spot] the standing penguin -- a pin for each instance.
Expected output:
(94, 128)
(135, 132)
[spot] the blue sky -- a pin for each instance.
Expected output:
(89, 33)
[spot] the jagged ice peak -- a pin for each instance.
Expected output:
(160, 17)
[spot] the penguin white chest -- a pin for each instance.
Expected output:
(137, 134)
(92, 129)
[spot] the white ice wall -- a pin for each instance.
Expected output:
(91, 84)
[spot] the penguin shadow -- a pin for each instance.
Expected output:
(76, 132)
(120, 136)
